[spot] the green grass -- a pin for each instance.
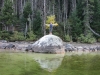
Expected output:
(23, 64)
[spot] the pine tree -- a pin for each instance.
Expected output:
(37, 24)
(27, 11)
(76, 20)
(7, 15)
(96, 17)
(26, 18)
(76, 26)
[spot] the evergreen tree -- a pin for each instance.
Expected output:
(7, 14)
(37, 29)
(76, 20)
(79, 8)
(26, 18)
(76, 26)
(27, 11)
(96, 17)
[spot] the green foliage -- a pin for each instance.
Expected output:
(50, 19)
(96, 17)
(27, 10)
(37, 28)
(31, 36)
(7, 13)
(67, 38)
(76, 24)
(98, 39)
(59, 31)
(17, 36)
(56, 33)
(75, 19)
(87, 39)
(5, 35)
(80, 9)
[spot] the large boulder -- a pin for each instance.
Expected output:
(49, 44)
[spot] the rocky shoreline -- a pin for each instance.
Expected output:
(23, 46)
(73, 46)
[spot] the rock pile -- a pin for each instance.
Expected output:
(70, 48)
(47, 44)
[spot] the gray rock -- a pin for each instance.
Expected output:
(92, 49)
(49, 44)
(98, 48)
(85, 49)
(3, 41)
(29, 48)
(80, 48)
(69, 47)
(18, 48)
(10, 46)
(3, 47)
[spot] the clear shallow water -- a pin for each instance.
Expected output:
(50, 64)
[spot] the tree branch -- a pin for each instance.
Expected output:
(93, 30)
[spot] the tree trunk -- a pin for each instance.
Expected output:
(73, 5)
(53, 7)
(31, 16)
(7, 28)
(93, 31)
(64, 18)
(59, 11)
(30, 22)
(86, 18)
(21, 6)
(26, 30)
(44, 17)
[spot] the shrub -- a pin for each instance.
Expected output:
(5, 35)
(56, 33)
(86, 39)
(0, 37)
(31, 36)
(98, 39)
(67, 38)
(17, 36)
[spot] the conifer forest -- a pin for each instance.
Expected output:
(27, 20)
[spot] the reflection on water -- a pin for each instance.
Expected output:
(49, 62)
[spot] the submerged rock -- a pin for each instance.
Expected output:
(49, 44)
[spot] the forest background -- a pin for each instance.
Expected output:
(25, 20)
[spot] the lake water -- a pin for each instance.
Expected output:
(49, 64)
